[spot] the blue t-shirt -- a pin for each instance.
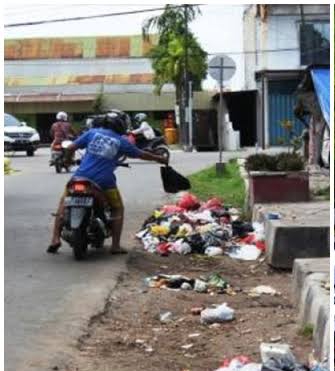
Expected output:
(103, 149)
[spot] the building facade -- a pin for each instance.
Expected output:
(47, 75)
(280, 41)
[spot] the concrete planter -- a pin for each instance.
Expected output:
(273, 187)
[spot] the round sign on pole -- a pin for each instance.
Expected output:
(221, 63)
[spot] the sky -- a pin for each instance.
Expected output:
(218, 29)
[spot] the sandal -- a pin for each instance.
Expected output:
(118, 251)
(53, 249)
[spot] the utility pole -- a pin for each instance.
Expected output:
(186, 121)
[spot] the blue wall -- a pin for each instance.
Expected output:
(281, 107)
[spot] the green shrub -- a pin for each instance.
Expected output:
(282, 162)
(289, 162)
(261, 162)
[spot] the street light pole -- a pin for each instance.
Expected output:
(185, 85)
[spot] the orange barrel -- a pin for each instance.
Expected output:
(171, 135)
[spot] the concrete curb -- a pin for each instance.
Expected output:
(244, 175)
(313, 301)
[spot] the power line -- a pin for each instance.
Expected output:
(80, 18)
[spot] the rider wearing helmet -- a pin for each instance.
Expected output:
(61, 130)
(144, 132)
(104, 146)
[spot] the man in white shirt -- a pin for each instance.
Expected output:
(144, 129)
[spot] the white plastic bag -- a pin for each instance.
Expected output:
(213, 251)
(245, 252)
(222, 313)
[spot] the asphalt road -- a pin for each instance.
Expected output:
(49, 299)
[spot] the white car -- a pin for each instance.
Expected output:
(19, 137)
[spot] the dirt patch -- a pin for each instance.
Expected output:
(129, 335)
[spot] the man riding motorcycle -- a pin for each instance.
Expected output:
(144, 132)
(104, 146)
(61, 129)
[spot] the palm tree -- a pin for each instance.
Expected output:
(174, 42)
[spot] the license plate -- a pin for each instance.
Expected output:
(79, 201)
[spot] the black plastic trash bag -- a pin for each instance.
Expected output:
(282, 364)
(173, 182)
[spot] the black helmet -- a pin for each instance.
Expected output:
(117, 121)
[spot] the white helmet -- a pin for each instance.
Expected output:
(139, 117)
(61, 116)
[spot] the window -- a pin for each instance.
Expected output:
(314, 43)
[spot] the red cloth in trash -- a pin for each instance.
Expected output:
(189, 202)
(225, 220)
(172, 209)
(249, 240)
(163, 248)
(212, 204)
(261, 245)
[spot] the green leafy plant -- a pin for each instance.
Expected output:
(281, 162)
(261, 162)
(291, 140)
(289, 162)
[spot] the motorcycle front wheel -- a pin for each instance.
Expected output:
(79, 244)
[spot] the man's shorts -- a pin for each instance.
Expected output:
(112, 195)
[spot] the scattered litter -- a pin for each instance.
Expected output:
(244, 252)
(276, 351)
(195, 335)
(213, 283)
(260, 290)
(273, 216)
(276, 339)
(235, 364)
(149, 349)
(200, 286)
(187, 346)
(165, 317)
(221, 313)
(197, 310)
(213, 251)
(186, 286)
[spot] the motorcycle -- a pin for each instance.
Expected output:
(87, 216)
(58, 157)
(157, 145)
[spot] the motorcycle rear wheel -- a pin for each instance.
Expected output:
(79, 244)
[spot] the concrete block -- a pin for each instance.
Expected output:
(314, 308)
(286, 242)
(313, 298)
(303, 268)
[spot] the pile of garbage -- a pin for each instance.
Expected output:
(209, 228)
(275, 357)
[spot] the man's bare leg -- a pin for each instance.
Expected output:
(116, 229)
(55, 240)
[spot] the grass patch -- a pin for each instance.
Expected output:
(323, 192)
(230, 187)
(307, 331)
